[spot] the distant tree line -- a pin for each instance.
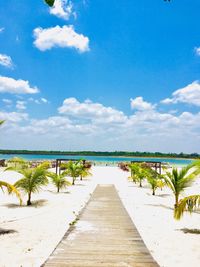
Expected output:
(103, 153)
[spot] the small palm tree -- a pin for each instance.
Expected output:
(18, 162)
(11, 189)
(59, 181)
(32, 181)
(134, 169)
(73, 170)
(84, 170)
(1, 122)
(154, 179)
(178, 181)
(190, 203)
(140, 172)
(45, 165)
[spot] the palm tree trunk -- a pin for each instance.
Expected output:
(153, 193)
(140, 183)
(58, 189)
(176, 200)
(73, 180)
(81, 177)
(29, 199)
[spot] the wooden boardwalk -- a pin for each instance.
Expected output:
(104, 236)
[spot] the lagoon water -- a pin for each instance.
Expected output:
(171, 161)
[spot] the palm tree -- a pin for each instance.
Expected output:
(32, 181)
(134, 168)
(154, 179)
(45, 165)
(189, 203)
(139, 172)
(1, 122)
(59, 180)
(11, 189)
(73, 170)
(178, 181)
(18, 162)
(84, 170)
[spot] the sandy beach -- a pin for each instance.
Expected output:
(38, 229)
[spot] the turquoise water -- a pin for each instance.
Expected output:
(171, 161)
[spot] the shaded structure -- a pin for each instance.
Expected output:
(59, 162)
(156, 165)
(103, 236)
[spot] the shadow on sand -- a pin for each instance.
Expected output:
(190, 231)
(35, 204)
(7, 231)
(56, 193)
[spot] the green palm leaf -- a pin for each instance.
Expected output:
(189, 203)
(1, 122)
(11, 189)
(178, 181)
(50, 2)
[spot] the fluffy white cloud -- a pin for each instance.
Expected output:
(93, 126)
(197, 51)
(91, 111)
(21, 105)
(13, 116)
(2, 29)
(6, 61)
(139, 104)
(62, 9)
(60, 37)
(10, 85)
(189, 94)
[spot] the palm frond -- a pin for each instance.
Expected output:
(11, 189)
(1, 122)
(189, 203)
(50, 2)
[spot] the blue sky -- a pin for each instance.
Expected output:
(100, 75)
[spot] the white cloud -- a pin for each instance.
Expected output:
(139, 104)
(65, 36)
(10, 85)
(7, 101)
(2, 29)
(6, 61)
(21, 105)
(88, 110)
(44, 100)
(62, 9)
(189, 94)
(197, 51)
(93, 126)
(13, 116)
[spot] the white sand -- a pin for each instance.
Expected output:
(41, 227)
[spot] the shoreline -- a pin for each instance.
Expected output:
(100, 157)
(46, 153)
